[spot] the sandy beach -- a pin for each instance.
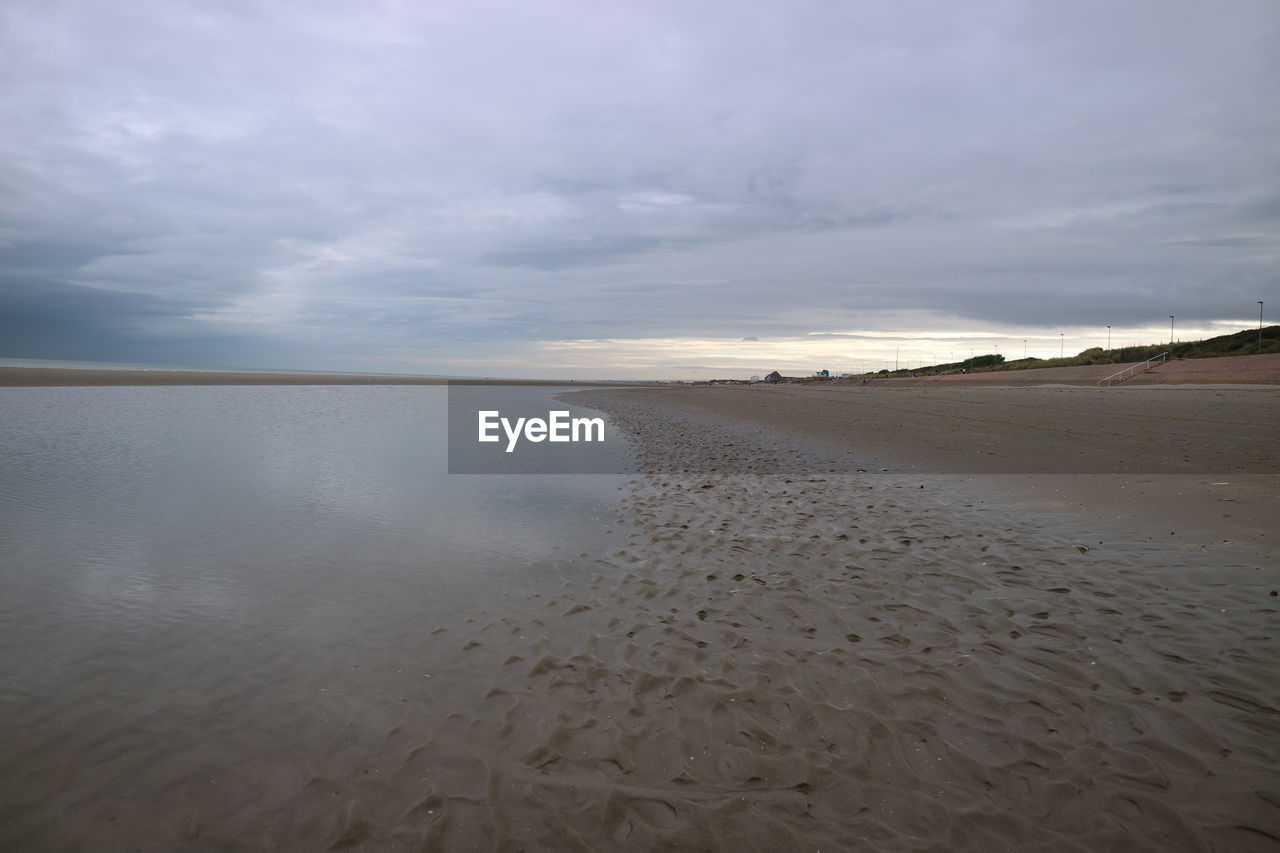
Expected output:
(1104, 453)
(1034, 660)
(815, 625)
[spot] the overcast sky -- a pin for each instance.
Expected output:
(630, 188)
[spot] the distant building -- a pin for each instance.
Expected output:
(826, 374)
(773, 377)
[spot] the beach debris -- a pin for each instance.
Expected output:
(1083, 549)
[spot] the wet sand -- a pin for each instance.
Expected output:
(835, 659)
(1107, 454)
(773, 651)
(1038, 430)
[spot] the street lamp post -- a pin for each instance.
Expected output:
(1062, 344)
(1024, 347)
(1108, 339)
(1170, 330)
(895, 358)
(1259, 325)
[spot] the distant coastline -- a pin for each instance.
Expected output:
(40, 372)
(34, 377)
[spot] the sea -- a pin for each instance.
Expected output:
(192, 577)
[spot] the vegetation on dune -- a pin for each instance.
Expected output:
(1239, 343)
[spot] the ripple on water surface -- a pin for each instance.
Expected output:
(203, 580)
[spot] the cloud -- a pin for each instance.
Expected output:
(424, 186)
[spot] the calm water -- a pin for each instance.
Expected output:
(194, 577)
(129, 365)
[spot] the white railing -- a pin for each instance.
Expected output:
(1134, 369)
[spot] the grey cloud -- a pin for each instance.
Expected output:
(847, 336)
(46, 319)
(329, 183)
(53, 256)
(1229, 242)
(561, 256)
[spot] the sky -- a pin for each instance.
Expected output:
(631, 189)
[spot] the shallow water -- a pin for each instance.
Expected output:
(205, 582)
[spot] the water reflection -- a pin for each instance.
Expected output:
(206, 590)
(192, 483)
(130, 509)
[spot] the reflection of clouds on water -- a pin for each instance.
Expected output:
(316, 483)
(360, 455)
(224, 503)
(201, 583)
(126, 580)
(118, 572)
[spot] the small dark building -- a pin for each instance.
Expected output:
(773, 377)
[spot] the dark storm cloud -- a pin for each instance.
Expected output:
(323, 182)
(44, 319)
